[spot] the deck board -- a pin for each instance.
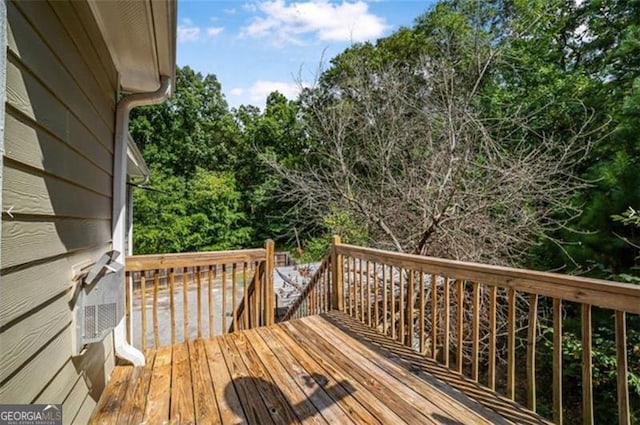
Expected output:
(316, 370)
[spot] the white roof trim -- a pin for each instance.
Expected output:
(136, 167)
(141, 38)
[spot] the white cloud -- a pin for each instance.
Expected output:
(286, 23)
(258, 92)
(187, 31)
(262, 88)
(213, 31)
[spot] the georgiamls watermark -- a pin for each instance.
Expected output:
(30, 414)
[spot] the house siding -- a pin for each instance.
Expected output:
(57, 179)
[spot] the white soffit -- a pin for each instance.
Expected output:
(141, 37)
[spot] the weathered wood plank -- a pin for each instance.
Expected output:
(229, 406)
(206, 408)
(112, 400)
(182, 404)
(132, 413)
(361, 407)
(323, 392)
(439, 402)
(277, 405)
(254, 408)
(468, 393)
(381, 390)
(158, 404)
(301, 404)
(460, 325)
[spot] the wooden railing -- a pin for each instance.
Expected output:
(191, 295)
(483, 321)
(315, 297)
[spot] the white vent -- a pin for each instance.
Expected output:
(100, 302)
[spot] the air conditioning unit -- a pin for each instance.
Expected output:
(100, 301)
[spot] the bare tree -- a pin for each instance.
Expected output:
(409, 154)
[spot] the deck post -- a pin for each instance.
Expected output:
(337, 300)
(269, 301)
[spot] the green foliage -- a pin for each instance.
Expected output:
(604, 370)
(198, 214)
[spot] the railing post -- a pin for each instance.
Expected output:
(269, 301)
(337, 300)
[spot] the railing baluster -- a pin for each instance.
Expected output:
(210, 277)
(460, 325)
(511, 344)
(385, 308)
(422, 313)
(128, 293)
(245, 296)
(434, 316)
(143, 309)
(234, 289)
(156, 328)
(401, 306)
(587, 381)
(393, 302)
(447, 313)
(493, 295)
(410, 295)
(257, 295)
(185, 303)
(621, 360)
(359, 295)
(531, 351)
(362, 298)
(557, 361)
(475, 350)
(354, 299)
(199, 300)
(172, 304)
(368, 292)
(223, 310)
(376, 308)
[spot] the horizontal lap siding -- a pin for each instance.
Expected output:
(57, 177)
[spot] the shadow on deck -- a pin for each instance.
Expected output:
(320, 369)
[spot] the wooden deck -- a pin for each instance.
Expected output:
(327, 369)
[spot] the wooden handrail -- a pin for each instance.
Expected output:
(189, 281)
(596, 292)
(446, 309)
(314, 293)
(137, 263)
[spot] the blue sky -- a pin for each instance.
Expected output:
(255, 47)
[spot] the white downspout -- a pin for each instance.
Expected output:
(119, 224)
